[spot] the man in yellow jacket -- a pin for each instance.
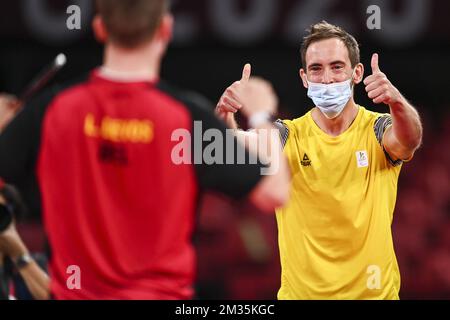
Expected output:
(335, 235)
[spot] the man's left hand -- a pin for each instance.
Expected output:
(378, 86)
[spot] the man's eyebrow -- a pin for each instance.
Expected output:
(331, 63)
(314, 65)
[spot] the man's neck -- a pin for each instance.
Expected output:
(335, 127)
(142, 62)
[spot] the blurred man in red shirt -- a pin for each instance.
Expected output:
(118, 210)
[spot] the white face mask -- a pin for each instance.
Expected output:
(330, 98)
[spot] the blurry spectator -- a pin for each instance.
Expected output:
(9, 106)
(247, 264)
(422, 219)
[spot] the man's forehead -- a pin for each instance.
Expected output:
(327, 51)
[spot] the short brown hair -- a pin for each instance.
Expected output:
(131, 22)
(324, 30)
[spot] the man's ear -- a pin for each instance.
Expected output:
(359, 73)
(163, 34)
(165, 30)
(99, 28)
(304, 78)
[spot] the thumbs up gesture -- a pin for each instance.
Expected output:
(229, 100)
(248, 95)
(378, 86)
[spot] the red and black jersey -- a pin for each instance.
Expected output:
(115, 205)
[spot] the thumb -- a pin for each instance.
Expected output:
(246, 72)
(374, 63)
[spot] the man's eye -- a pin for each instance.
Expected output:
(337, 67)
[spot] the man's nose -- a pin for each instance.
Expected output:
(327, 78)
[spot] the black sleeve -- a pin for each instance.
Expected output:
(284, 131)
(19, 142)
(19, 147)
(227, 177)
(381, 124)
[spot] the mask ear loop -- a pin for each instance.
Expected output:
(352, 78)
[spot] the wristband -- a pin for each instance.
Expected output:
(259, 118)
(22, 261)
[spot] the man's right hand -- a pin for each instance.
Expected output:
(249, 95)
(253, 96)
